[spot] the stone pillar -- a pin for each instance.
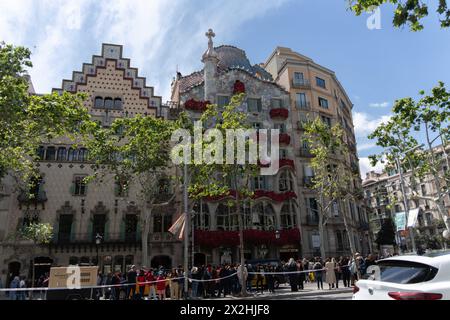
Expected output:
(210, 60)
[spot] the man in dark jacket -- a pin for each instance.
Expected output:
(131, 282)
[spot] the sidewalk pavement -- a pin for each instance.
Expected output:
(284, 292)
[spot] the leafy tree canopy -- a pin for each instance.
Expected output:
(407, 12)
(26, 120)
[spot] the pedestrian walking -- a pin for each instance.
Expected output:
(15, 284)
(293, 276)
(141, 283)
(161, 286)
(330, 276)
(318, 273)
(131, 283)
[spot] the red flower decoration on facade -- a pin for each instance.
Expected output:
(279, 113)
(195, 105)
(219, 238)
(239, 87)
(282, 163)
(285, 139)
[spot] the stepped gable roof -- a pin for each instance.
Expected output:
(230, 58)
(111, 52)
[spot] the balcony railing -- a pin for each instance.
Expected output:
(89, 238)
(39, 197)
(308, 181)
(312, 220)
(305, 152)
(301, 83)
(303, 105)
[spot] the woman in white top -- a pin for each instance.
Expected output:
(330, 277)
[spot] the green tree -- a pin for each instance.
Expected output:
(217, 178)
(429, 115)
(386, 235)
(27, 120)
(333, 176)
(407, 12)
(38, 234)
(134, 153)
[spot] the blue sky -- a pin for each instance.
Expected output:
(375, 66)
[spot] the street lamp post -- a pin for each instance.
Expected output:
(98, 241)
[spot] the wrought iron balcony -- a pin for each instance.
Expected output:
(38, 197)
(312, 220)
(89, 238)
(303, 105)
(301, 83)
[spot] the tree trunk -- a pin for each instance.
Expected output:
(321, 236)
(144, 236)
(351, 239)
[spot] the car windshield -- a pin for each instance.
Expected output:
(405, 272)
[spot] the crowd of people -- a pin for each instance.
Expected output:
(208, 281)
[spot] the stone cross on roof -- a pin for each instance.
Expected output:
(210, 34)
(210, 53)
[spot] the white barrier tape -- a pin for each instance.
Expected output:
(157, 281)
(90, 287)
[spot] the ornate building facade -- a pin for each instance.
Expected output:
(78, 212)
(315, 91)
(384, 198)
(280, 94)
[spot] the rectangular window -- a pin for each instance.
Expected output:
(79, 186)
(257, 125)
(276, 103)
(254, 105)
(320, 82)
(301, 101)
(280, 126)
(259, 183)
(167, 222)
(223, 101)
(298, 78)
(327, 121)
(323, 103)
(339, 241)
(157, 223)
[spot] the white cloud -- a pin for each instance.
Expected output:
(365, 167)
(365, 124)
(366, 146)
(157, 35)
(380, 104)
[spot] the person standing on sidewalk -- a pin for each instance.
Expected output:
(318, 273)
(330, 273)
(345, 271)
(131, 282)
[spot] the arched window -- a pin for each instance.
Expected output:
(99, 102)
(288, 215)
(429, 218)
(117, 103)
(285, 182)
(109, 104)
(223, 217)
(50, 154)
(263, 216)
(202, 217)
(62, 153)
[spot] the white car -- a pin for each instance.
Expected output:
(412, 277)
